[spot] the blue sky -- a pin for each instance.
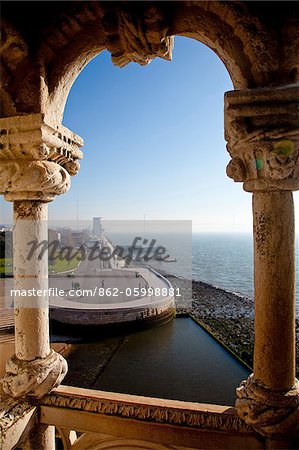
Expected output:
(153, 143)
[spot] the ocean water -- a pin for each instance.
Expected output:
(224, 260)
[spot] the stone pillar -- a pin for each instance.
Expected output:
(274, 280)
(41, 437)
(31, 314)
(261, 127)
(36, 161)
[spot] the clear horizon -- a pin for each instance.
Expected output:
(154, 144)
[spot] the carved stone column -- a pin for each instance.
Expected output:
(36, 161)
(261, 128)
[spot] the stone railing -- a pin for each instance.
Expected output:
(142, 422)
(105, 418)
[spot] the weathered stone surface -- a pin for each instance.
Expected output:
(39, 65)
(262, 131)
(36, 159)
(161, 411)
(271, 413)
(15, 417)
(38, 180)
(13, 52)
(33, 378)
(256, 51)
(269, 399)
(34, 369)
(274, 289)
(31, 136)
(137, 39)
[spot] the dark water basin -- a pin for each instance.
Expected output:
(179, 361)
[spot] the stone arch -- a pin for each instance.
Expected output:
(60, 48)
(106, 442)
(41, 55)
(140, 36)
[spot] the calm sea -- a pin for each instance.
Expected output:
(224, 260)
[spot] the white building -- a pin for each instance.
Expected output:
(97, 228)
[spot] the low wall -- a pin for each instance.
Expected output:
(100, 316)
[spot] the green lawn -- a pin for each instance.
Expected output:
(58, 266)
(5, 262)
(64, 265)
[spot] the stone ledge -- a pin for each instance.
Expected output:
(199, 415)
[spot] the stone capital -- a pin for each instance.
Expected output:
(36, 158)
(270, 412)
(262, 134)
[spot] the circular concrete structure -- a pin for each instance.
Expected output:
(111, 296)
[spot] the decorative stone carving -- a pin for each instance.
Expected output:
(13, 51)
(13, 48)
(30, 137)
(271, 413)
(153, 413)
(36, 158)
(262, 131)
(15, 417)
(236, 169)
(34, 180)
(33, 378)
(137, 38)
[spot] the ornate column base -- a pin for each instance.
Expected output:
(270, 413)
(33, 378)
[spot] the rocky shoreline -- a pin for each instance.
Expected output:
(227, 315)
